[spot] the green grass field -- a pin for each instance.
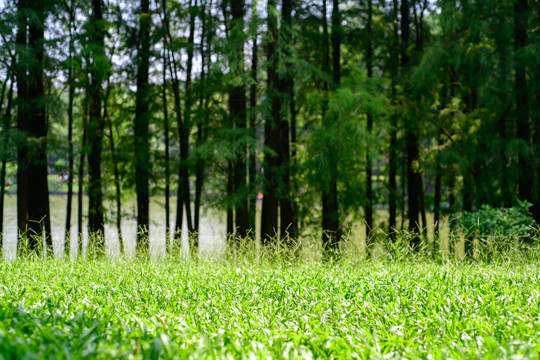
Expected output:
(103, 309)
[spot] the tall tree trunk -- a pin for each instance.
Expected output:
(392, 161)
(330, 205)
(411, 137)
(167, 151)
(82, 159)
(526, 177)
(369, 170)
(32, 189)
(269, 218)
(287, 224)
(237, 104)
(141, 135)
(183, 180)
(187, 123)
(96, 126)
(252, 180)
(71, 160)
(536, 135)
(204, 99)
(438, 193)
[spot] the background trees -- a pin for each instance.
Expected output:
(336, 112)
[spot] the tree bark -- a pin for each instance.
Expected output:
(369, 170)
(183, 180)
(237, 105)
(526, 175)
(32, 189)
(167, 151)
(411, 138)
(330, 205)
(71, 160)
(142, 120)
(272, 160)
(288, 231)
(392, 158)
(252, 180)
(96, 125)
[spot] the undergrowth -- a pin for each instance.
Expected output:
(247, 305)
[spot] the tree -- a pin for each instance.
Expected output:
(32, 190)
(330, 205)
(142, 119)
(98, 67)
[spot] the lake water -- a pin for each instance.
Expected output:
(212, 232)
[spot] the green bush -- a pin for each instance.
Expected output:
(515, 223)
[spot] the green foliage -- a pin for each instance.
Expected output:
(499, 223)
(148, 310)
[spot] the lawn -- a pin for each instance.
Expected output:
(180, 309)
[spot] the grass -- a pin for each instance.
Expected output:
(220, 309)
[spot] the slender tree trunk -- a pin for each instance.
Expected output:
(526, 177)
(82, 159)
(269, 218)
(253, 123)
(142, 120)
(392, 158)
(237, 104)
(287, 224)
(187, 124)
(411, 137)
(204, 100)
(330, 205)
(96, 126)
(438, 193)
(183, 180)
(33, 195)
(369, 170)
(536, 136)
(167, 152)
(71, 160)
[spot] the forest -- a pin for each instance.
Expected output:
(283, 116)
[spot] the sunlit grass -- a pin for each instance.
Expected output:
(239, 309)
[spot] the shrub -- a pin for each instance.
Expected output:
(501, 224)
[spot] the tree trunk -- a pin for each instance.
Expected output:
(96, 126)
(237, 104)
(369, 170)
(411, 138)
(183, 180)
(252, 180)
(438, 193)
(71, 96)
(141, 135)
(330, 205)
(526, 176)
(167, 152)
(269, 218)
(536, 137)
(82, 159)
(32, 188)
(185, 129)
(392, 158)
(288, 229)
